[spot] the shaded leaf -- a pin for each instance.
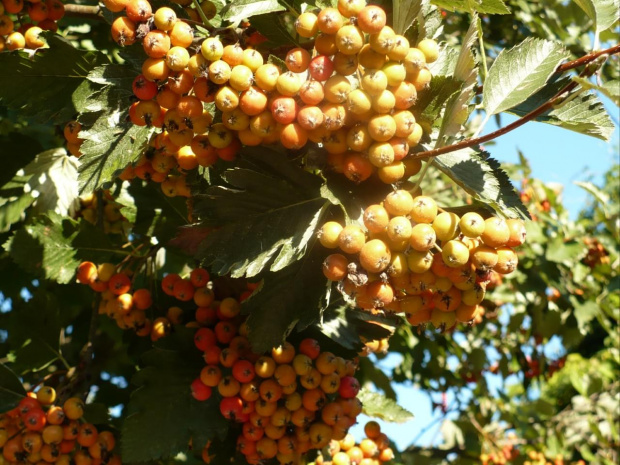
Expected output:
(17, 143)
(11, 389)
(42, 84)
(520, 72)
(404, 14)
(376, 405)
(274, 29)
(290, 297)
(483, 178)
(13, 203)
(266, 214)
(153, 433)
(611, 89)
(431, 102)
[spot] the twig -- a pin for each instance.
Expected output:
(205, 21)
(585, 60)
(83, 11)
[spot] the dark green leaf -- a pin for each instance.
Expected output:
(162, 414)
(274, 28)
(11, 389)
(290, 297)
(41, 85)
(13, 203)
(483, 178)
(432, 101)
(111, 141)
(268, 213)
(378, 406)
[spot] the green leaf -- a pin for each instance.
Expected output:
(432, 101)
(13, 203)
(111, 142)
(294, 296)
(492, 7)
(465, 71)
(52, 246)
(274, 28)
(559, 251)
(11, 389)
(376, 405)
(604, 13)
(611, 89)
(483, 178)
(584, 313)
(40, 85)
(581, 112)
(243, 9)
(53, 181)
(267, 213)
(404, 14)
(520, 72)
(162, 414)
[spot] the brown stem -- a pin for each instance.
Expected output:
(83, 11)
(589, 58)
(500, 132)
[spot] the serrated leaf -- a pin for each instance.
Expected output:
(243, 9)
(111, 141)
(432, 101)
(52, 246)
(604, 13)
(154, 433)
(376, 405)
(559, 251)
(491, 7)
(610, 89)
(266, 214)
(483, 178)
(40, 86)
(53, 181)
(520, 72)
(404, 14)
(290, 297)
(273, 28)
(583, 113)
(11, 389)
(466, 72)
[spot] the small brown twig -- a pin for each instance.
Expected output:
(587, 59)
(83, 11)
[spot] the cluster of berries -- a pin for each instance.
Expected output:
(37, 431)
(352, 94)
(374, 449)
(135, 309)
(113, 220)
(417, 259)
(33, 17)
(287, 402)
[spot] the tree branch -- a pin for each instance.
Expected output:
(585, 60)
(83, 11)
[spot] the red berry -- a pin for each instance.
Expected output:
(204, 339)
(200, 391)
(349, 387)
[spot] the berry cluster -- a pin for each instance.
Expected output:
(414, 258)
(352, 94)
(37, 431)
(135, 309)
(286, 403)
(113, 221)
(43, 13)
(374, 449)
